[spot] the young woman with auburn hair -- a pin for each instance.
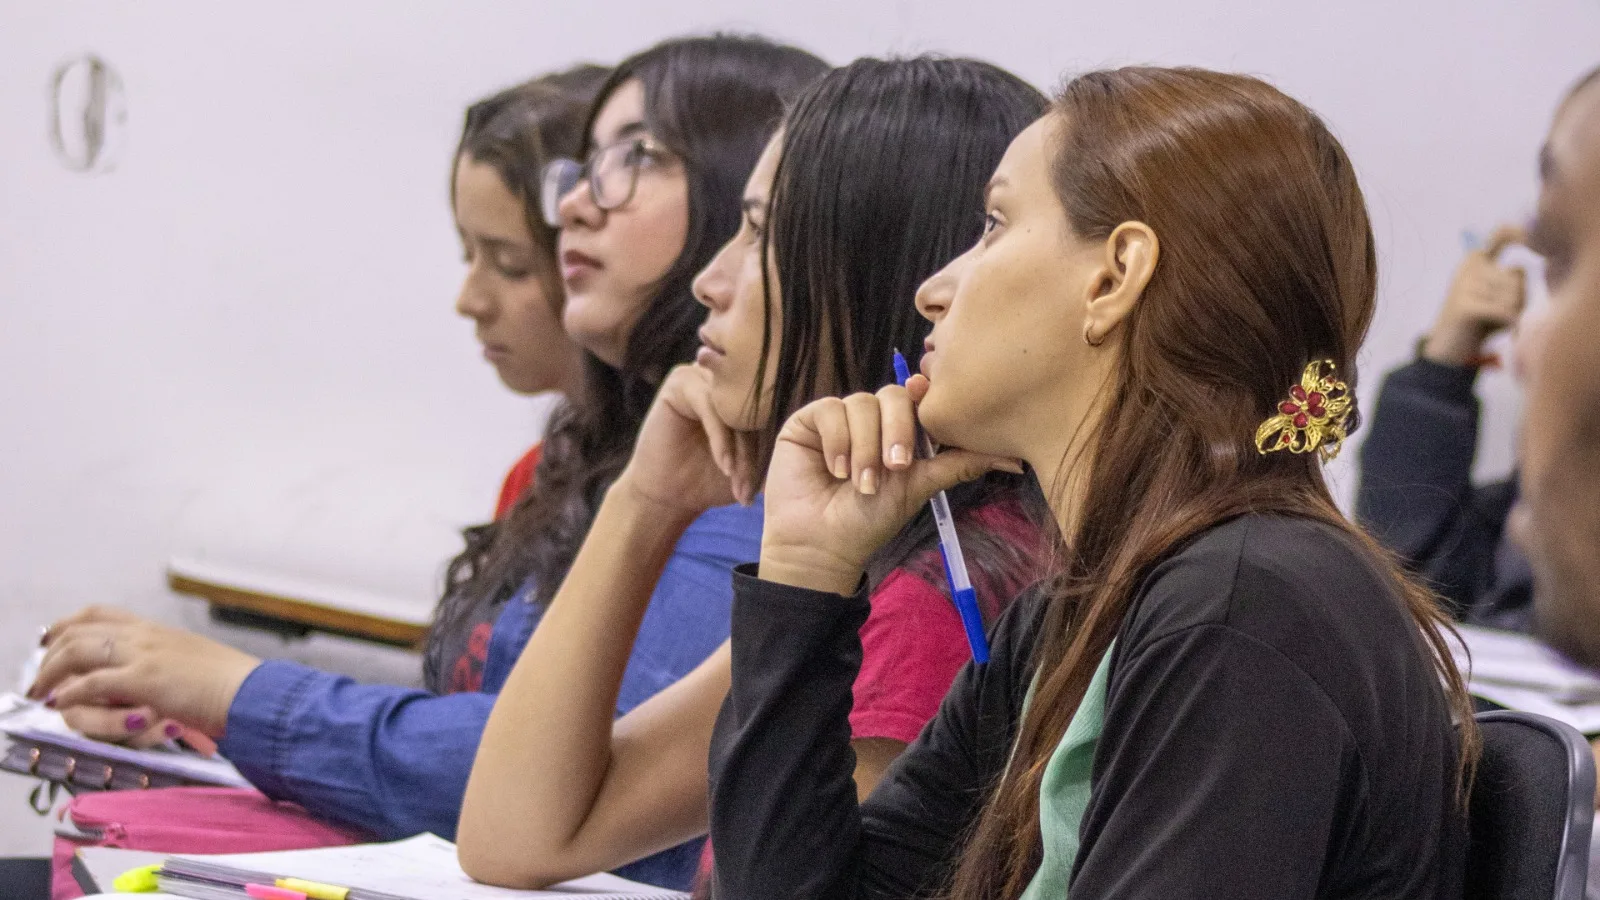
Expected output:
(1229, 691)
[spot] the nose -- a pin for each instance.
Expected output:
(1531, 335)
(475, 301)
(935, 294)
(712, 287)
(577, 207)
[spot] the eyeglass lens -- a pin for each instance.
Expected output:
(612, 171)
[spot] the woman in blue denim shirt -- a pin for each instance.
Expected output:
(656, 199)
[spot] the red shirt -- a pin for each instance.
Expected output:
(517, 481)
(466, 673)
(913, 642)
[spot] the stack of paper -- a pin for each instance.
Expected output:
(1520, 672)
(419, 868)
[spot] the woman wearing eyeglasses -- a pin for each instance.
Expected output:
(668, 144)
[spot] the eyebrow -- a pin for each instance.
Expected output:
(497, 244)
(629, 130)
(753, 205)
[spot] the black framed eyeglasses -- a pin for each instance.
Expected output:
(612, 172)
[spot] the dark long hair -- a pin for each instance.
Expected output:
(713, 101)
(516, 131)
(878, 185)
(1267, 263)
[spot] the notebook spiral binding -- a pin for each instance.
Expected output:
(60, 769)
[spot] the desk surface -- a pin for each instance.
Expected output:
(315, 616)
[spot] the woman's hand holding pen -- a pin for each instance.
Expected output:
(686, 459)
(115, 677)
(844, 480)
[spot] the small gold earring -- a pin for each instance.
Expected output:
(1089, 340)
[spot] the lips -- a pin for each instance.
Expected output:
(707, 342)
(576, 265)
(924, 364)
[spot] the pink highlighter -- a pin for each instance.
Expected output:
(271, 892)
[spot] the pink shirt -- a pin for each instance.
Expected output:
(913, 643)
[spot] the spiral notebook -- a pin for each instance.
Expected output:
(41, 745)
(419, 868)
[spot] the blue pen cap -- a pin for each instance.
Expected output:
(902, 372)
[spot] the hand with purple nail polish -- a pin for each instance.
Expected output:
(117, 677)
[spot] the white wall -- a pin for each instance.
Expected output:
(263, 285)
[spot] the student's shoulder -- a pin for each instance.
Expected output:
(517, 481)
(1272, 577)
(726, 530)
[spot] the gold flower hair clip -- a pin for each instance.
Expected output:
(1313, 418)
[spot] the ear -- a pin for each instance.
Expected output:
(1131, 252)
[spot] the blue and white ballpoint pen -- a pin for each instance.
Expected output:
(955, 565)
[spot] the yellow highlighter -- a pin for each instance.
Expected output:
(313, 890)
(138, 881)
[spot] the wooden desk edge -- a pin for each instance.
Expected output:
(322, 618)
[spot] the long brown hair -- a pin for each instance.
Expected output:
(517, 131)
(1267, 263)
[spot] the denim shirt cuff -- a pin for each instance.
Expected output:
(257, 740)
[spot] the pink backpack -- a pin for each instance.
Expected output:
(187, 820)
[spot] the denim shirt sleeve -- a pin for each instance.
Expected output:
(390, 760)
(394, 761)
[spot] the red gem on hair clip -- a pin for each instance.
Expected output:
(1314, 417)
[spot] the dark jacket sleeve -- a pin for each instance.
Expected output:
(784, 816)
(1416, 494)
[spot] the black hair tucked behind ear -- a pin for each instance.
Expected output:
(879, 185)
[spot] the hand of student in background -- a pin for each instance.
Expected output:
(843, 480)
(686, 458)
(1484, 298)
(104, 666)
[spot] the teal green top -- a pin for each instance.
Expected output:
(1064, 793)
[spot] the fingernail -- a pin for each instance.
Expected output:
(172, 730)
(135, 722)
(899, 455)
(841, 467)
(50, 699)
(869, 481)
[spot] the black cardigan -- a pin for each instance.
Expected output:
(1416, 496)
(1274, 729)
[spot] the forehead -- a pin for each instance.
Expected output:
(759, 185)
(482, 197)
(1572, 163)
(622, 112)
(1026, 159)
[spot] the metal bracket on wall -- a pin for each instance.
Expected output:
(88, 114)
